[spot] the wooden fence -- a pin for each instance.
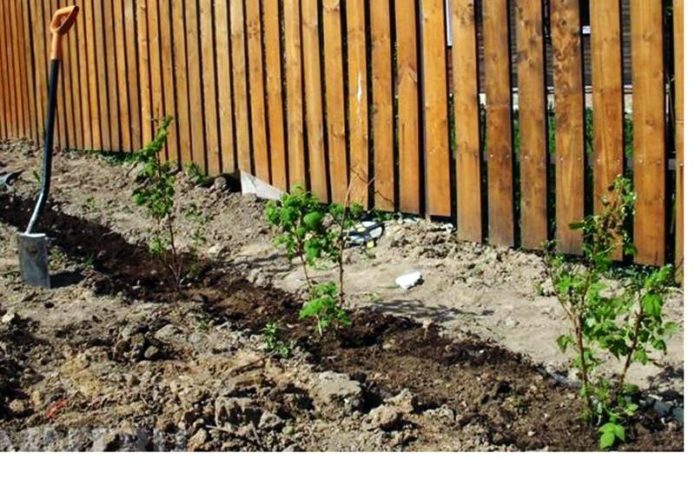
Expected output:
(325, 93)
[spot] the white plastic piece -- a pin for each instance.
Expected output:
(409, 281)
(250, 185)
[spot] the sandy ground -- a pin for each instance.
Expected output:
(497, 293)
(96, 362)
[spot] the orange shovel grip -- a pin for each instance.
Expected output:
(62, 22)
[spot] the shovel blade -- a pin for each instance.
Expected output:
(33, 259)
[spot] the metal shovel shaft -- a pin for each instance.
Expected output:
(48, 148)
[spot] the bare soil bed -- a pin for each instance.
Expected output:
(114, 359)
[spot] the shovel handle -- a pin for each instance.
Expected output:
(62, 22)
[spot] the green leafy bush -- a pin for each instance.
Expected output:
(624, 321)
(313, 232)
(273, 344)
(156, 194)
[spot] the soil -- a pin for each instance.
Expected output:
(113, 358)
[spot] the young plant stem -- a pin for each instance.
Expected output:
(633, 347)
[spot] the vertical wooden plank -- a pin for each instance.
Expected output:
(102, 70)
(41, 65)
(156, 75)
(224, 84)
(295, 93)
(569, 122)
(8, 59)
(122, 74)
(679, 53)
(68, 92)
(85, 75)
(4, 85)
(167, 50)
(532, 123)
(77, 82)
(382, 111)
(133, 72)
(437, 159)
(358, 101)
(335, 99)
(113, 91)
(469, 196)
(183, 120)
(95, 109)
(23, 69)
(257, 90)
(207, 21)
(17, 70)
(314, 103)
(650, 131)
(195, 86)
(25, 22)
(408, 90)
(241, 98)
(607, 94)
(274, 78)
(499, 125)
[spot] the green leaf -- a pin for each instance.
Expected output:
(313, 220)
(607, 440)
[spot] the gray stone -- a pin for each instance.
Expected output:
(105, 441)
(167, 332)
(10, 318)
(197, 442)
(5, 442)
(386, 418)
(271, 421)
(678, 414)
(444, 413)
(216, 251)
(334, 393)
(152, 353)
(236, 411)
(405, 402)
(663, 408)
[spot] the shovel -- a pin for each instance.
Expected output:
(33, 249)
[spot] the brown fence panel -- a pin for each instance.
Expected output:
(295, 93)
(649, 131)
(168, 78)
(533, 156)
(183, 115)
(467, 121)
(257, 92)
(366, 97)
(195, 86)
(607, 93)
(274, 79)
(335, 96)
(314, 100)
(358, 101)
(408, 121)
(224, 85)
(437, 158)
(382, 104)
(569, 118)
(209, 76)
(679, 21)
(499, 122)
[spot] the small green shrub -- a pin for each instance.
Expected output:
(273, 344)
(623, 321)
(156, 194)
(312, 232)
(324, 306)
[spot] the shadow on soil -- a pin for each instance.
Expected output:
(481, 382)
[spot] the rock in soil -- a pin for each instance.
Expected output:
(334, 393)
